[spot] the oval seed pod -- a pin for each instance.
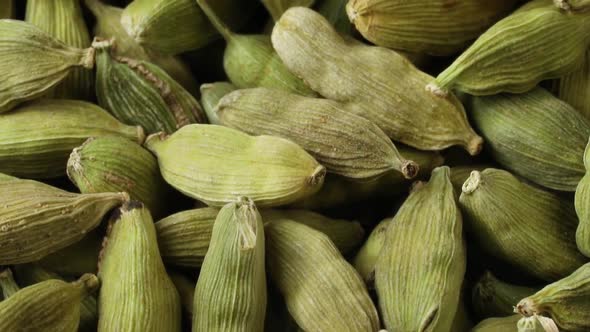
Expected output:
(492, 297)
(236, 253)
(536, 42)
(116, 164)
(211, 93)
(565, 301)
(419, 290)
(582, 204)
(36, 139)
(8, 286)
(63, 20)
(321, 290)
(575, 88)
(364, 261)
(33, 62)
(37, 219)
(136, 292)
(186, 290)
(6, 9)
(512, 220)
(498, 324)
(214, 164)
(433, 27)
(345, 143)
(535, 135)
(375, 82)
(77, 259)
(276, 8)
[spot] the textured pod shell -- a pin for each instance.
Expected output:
(276, 8)
(37, 219)
(33, 62)
(116, 164)
(36, 139)
(565, 301)
(236, 253)
(536, 42)
(582, 204)
(8, 286)
(535, 135)
(186, 290)
(530, 324)
(575, 88)
(321, 290)
(512, 220)
(52, 305)
(345, 143)
(492, 297)
(6, 9)
(63, 20)
(366, 257)
(377, 83)
(498, 324)
(211, 93)
(216, 164)
(136, 292)
(419, 290)
(425, 26)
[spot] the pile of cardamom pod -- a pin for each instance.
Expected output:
(344, 166)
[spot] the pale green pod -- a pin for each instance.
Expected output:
(136, 293)
(512, 220)
(321, 290)
(419, 272)
(346, 144)
(33, 62)
(211, 93)
(116, 164)
(8, 286)
(6, 9)
(573, 5)
(565, 301)
(366, 257)
(335, 12)
(276, 8)
(535, 43)
(498, 324)
(535, 135)
(530, 324)
(36, 139)
(186, 290)
(492, 297)
(582, 204)
(374, 82)
(52, 305)
(76, 259)
(37, 219)
(574, 88)
(216, 164)
(64, 21)
(231, 291)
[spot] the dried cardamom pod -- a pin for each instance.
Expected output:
(565, 301)
(63, 20)
(573, 5)
(429, 219)
(33, 62)
(276, 8)
(582, 200)
(186, 289)
(374, 82)
(498, 324)
(76, 259)
(335, 12)
(216, 164)
(345, 143)
(460, 174)
(575, 88)
(321, 290)
(364, 261)
(236, 253)
(36, 139)
(425, 26)
(136, 292)
(536, 42)
(138, 92)
(116, 164)
(532, 324)
(211, 93)
(8, 286)
(511, 219)
(6, 9)
(37, 219)
(535, 135)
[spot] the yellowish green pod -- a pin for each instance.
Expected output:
(8, 286)
(276, 8)
(211, 93)
(582, 204)
(366, 257)
(574, 88)
(77, 259)
(498, 324)
(492, 297)
(6, 9)
(536, 324)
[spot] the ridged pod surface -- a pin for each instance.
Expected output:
(231, 291)
(377, 83)
(33, 62)
(76, 259)
(574, 88)
(510, 219)
(492, 297)
(37, 138)
(436, 27)
(535, 135)
(322, 291)
(535, 324)
(276, 8)
(211, 94)
(216, 164)
(419, 272)
(37, 219)
(64, 21)
(8, 286)
(498, 324)
(582, 204)
(136, 293)
(366, 257)
(536, 42)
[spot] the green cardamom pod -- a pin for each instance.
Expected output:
(116, 164)
(216, 164)
(374, 82)
(565, 301)
(532, 324)
(492, 297)
(76, 259)
(335, 12)
(276, 8)
(186, 289)
(573, 5)
(136, 292)
(37, 219)
(575, 88)
(321, 290)
(345, 143)
(582, 201)
(498, 324)
(430, 220)
(236, 253)
(535, 135)
(8, 286)
(211, 93)
(37, 138)
(536, 42)
(512, 220)
(460, 174)
(33, 62)
(366, 257)
(6, 9)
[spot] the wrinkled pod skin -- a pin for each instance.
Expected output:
(498, 324)
(582, 203)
